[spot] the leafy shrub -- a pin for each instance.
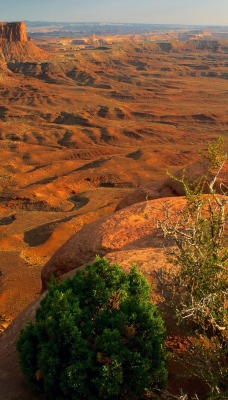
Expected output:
(96, 336)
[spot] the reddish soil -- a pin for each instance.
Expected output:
(80, 130)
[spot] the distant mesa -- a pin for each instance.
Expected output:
(13, 32)
(16, 48)
(165, 46)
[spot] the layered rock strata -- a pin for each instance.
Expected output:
(13, 32)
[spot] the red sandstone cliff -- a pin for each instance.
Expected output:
(13, 31)
(15, 46)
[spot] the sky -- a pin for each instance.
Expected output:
(190, 12)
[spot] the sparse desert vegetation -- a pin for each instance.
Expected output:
(197, 286)
(87, 133)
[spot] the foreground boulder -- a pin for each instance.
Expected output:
(129, 230)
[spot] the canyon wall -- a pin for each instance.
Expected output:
(13, 31)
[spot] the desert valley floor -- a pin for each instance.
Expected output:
(81, 129)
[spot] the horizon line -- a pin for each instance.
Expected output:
(118, 23)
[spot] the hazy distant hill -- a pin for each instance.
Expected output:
(38, 28)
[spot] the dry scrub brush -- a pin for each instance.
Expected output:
(200, 250)
(198, 283)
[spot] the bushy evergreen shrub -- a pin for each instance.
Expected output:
(96, 336)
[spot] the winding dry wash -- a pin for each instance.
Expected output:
(82, 124)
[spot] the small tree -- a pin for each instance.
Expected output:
(200, 250)
(198, 286)
(96, 336)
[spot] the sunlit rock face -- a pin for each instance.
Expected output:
(13, 31)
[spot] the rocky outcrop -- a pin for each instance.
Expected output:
(16, 48)
(133, 226)
(204, 44)
(170, 187)
(130, 231)
(13, 31)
